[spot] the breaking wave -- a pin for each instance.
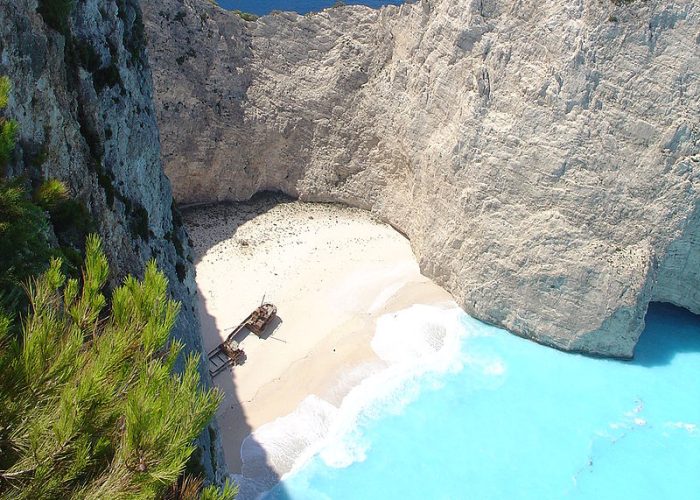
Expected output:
(411, 343)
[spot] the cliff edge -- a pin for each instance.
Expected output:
(542, 157)
(83, 98)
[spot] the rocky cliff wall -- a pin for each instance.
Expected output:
(85, 111)
(542, 157)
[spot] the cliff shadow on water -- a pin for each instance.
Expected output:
(669, 331)
(250, 465)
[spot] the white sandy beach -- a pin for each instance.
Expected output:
(331, 271)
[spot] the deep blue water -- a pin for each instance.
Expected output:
(506, 418)
(261, 7)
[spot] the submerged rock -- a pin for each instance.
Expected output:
(543, 157)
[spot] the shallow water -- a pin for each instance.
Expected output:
(471, 411)
(262, 7)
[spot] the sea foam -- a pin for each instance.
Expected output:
(411, 343)
(513, 419)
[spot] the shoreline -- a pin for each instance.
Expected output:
(332, 271)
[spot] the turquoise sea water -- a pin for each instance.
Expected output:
(505, 418)
(261, 7)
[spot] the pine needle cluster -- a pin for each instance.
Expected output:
(8, 128)
(89, 404)
(28, 224)
(24, 247)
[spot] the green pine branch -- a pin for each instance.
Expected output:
(89, 404)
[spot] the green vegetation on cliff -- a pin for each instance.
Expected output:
(24, 245)
(246, 16)
(8, 128)
(33, 227)
(91, 405)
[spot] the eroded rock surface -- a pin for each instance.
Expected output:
(84, 106)
(543, 157)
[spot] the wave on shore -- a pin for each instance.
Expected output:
(502, 417)
(419, 341)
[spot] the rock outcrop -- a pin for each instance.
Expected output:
(83, 102)
(542, 157)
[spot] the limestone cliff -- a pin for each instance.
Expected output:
(542, 157)
(84, 105)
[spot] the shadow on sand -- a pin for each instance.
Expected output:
(256, 474)
(244, 210)
(669, 330)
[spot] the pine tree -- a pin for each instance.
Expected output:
(24, 227)
(29, 224)
(8, 128)
(89, 404)
(24, 244)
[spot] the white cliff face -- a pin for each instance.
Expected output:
(84, 106)
(543, 157)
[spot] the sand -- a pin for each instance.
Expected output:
(330, 270)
